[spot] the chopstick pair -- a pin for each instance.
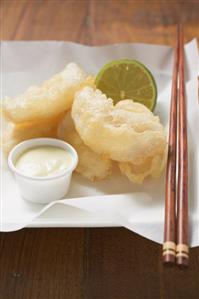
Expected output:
(175, 246)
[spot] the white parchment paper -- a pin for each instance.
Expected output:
(115, 201)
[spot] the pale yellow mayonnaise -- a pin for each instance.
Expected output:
(44, 161)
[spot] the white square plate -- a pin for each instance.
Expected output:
(139, 208)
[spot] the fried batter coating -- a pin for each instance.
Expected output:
(91, 165)
(126, 132)
(14, 134)
(48, 100)
(151, 167)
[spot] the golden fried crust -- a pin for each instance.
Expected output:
(126, 132)
(14, 134)
(48, 100)
(91, 165)
(151, 167)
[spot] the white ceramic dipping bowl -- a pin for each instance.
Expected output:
(42, 189)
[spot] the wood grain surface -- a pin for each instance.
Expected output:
(103, 263)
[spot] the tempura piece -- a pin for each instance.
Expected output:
(48, 100)
(14, 134)
(91, 165)
(151, 167)
(126, 132)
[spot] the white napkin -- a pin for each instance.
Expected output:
(115, 201)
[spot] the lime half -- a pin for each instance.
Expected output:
(127, 79)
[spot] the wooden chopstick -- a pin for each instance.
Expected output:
(169, 245)
(182, 248)
(175, 246)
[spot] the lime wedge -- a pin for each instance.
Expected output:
(127, 79)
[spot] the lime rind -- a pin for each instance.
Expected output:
(144, 69)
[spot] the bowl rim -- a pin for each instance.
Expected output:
(34, 142)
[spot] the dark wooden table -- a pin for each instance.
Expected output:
(93, 263)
